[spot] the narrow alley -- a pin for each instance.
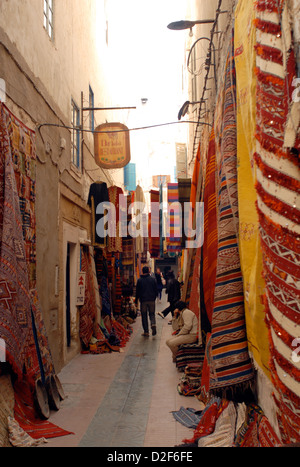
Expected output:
(124, 399)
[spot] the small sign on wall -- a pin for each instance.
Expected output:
(80, 288)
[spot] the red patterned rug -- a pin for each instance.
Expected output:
(15, 310)
(278, 198)
(28, 419)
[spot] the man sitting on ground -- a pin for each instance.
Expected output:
(185, 324)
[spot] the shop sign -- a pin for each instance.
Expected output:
(80, 289)
(112, 145)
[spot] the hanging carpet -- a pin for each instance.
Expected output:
(128, 243)
(249, 238)
(15, 307)
(154, 225)
(227, 350)
(115, 241)
(174, 234)
(278, 205)
(210, 243)
(87, 312)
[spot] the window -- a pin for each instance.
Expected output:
(91, 106)
(48, 17)
(75, 135)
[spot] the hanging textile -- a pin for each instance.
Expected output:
(145, 239)
(118, 294)
(195, 196)
(115, 242)
(161, 224)
(20, 155)
(184, 194)
(249, 239)
(15, 306)
(278, 205)
(196, 182)
(194, 301)
(154, 227)
(87, 312)
(98, 194)
(210, 242)
(174, 219)
(22, 144)
(128, 246)
(140, 199)
(228, 336)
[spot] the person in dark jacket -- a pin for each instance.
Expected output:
(158, 277)
(174, 294)
(146, 293)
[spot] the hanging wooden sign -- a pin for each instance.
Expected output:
(112, 145)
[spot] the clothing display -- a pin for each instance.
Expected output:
(184, 194)
(98, 196)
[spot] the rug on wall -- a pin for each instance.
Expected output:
(228, 360)
(278, 205)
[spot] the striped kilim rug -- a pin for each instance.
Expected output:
(174, 218)
(278, 204)
(230, 366)
(153, 223)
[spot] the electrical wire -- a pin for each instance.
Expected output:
(41, 125)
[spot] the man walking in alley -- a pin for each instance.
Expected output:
(146, 293)
(174, 294)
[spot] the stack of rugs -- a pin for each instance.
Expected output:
(224, 423)
(190, 384)
(188, 354)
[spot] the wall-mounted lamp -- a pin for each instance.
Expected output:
(184, 109)
(178, 25)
